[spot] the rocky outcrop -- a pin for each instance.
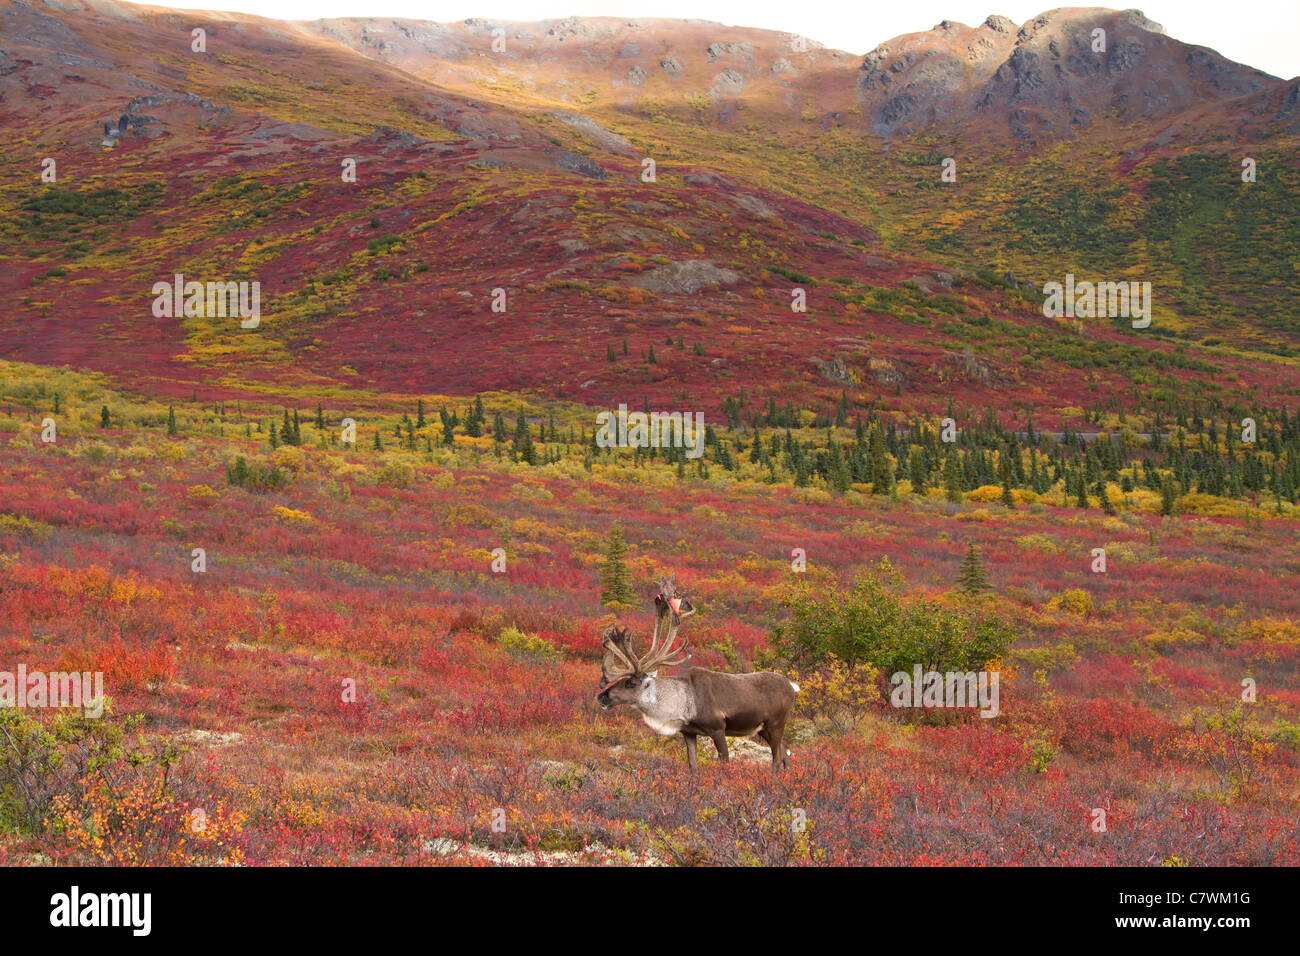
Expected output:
(684, 278)
(577, 163)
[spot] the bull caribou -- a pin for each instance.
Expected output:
(701, 702)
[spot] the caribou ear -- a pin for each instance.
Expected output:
(685, 607)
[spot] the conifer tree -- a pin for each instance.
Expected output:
(615, 580)
(952, 478)
(971, 577)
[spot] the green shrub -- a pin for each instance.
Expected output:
(873, 623)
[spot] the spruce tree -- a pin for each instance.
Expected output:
(615, 580)
(971, 578)
(1167, 496)
(952, 478)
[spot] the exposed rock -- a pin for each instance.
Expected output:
(635, 76)
(837, 371)
(738, 50)
(727, 83)
(671, 66)
(886, 373)
(1016, 282)
(973, 368)
(593, 130)
(753, 204)
(403, 138)
(212, 738)
(703, 178)
(576, 163)
(594, 853)
(684, 278)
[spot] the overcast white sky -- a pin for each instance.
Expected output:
(1261, 33)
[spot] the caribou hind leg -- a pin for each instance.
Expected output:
(720, 741)
(774, 735)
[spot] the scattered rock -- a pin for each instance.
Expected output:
(212, 738)
(671, 66)
(594, 853)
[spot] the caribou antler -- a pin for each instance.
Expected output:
(619, 661)
(670, 610)
(669, 655)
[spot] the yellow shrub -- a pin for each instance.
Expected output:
(1174, 638)
(527, 645)
(1038, 542)
(292, 516)
(1211, 506)
(289, 458)
(395, 473)
(1270, 630)
(836, 696)
(1073, 601)
(201, 495)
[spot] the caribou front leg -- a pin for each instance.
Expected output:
(690, 749)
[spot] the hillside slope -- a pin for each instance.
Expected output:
(524, 171)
